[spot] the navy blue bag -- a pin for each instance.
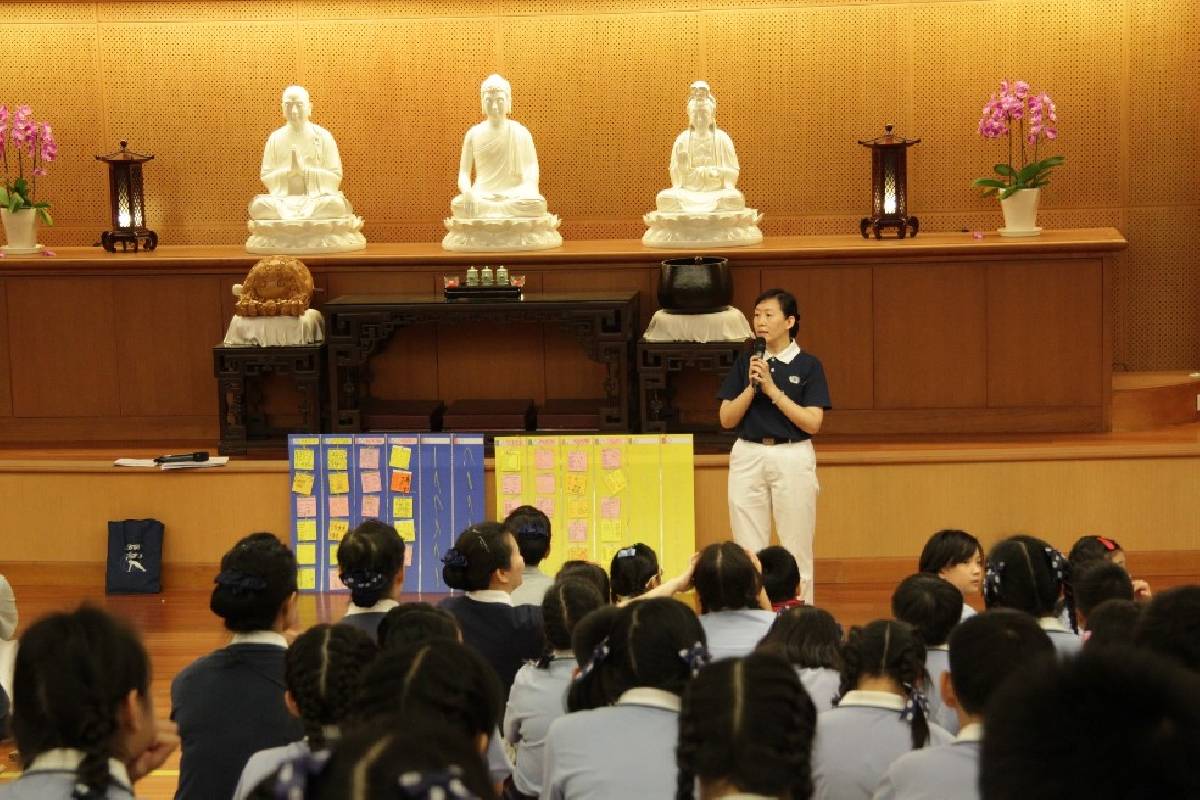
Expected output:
(134, 557)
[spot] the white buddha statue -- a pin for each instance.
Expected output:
(303, 209)
(703, 205)
(501, 209)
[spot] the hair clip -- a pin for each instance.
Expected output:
(455, 558)
(238, 581)
(438, 785)
(1108, 543)
(1058, 565)
(627, 552)
(991, 581)
(483, 542)
(916, 699)
(696, 657)
(364, 580)
(291, 780)
(532, 529)
(599, 654)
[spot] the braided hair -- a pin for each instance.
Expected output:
(478, 552)
(806, 636)
(73, 671)
(889, 649)
(321, 670)
(566, 602)
(258, 575)
(369, 559)
(747, 722)
(631, 571)
(726, 579)
(647, 643)
(1025, 573)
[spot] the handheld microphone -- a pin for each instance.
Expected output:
(199, 455)
(759, 349)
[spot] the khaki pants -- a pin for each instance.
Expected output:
(775, 481)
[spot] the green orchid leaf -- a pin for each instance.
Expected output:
(1005, 169)
(992, 182)
(44, 216)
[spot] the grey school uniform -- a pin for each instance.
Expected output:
(733, 634)
(857, 741)
(937, 662)
(52, 775)
(538, 697)
(534, 584)
(936, 773)
(614, 753)
(264, 763)
(822, 684)
(1066, 642)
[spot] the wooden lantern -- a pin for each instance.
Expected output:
(127, 202)
(889, 186)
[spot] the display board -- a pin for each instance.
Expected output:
(428, 486)
(603, 493)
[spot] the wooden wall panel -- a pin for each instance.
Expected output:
(165, 333)
(836, 325)
(1053, 309)
(64, 362)
(930, 336)
(6, 405)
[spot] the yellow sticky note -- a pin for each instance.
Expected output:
(510, 461)
(578, 552)
(615, 481)
(407, 529)
(401, 457)
(610, 530)
(306, 554)
(306, 579)
(302, 483)
(303, 458)
(336, 459)
(338, 528)
(402, 507)
(339, 483)
(576, 483)
(333, 548)
(577, 507)
(306, 530)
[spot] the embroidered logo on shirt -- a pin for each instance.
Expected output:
(794, 378)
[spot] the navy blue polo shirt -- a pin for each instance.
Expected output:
(802, 379)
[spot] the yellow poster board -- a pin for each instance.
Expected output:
(603, 493)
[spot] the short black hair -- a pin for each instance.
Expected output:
(1098, 581)
(787, 304)
(369, 559)
(725, 578)
(1048, 732)
(479, 551)
(780, 573)
(530, 526)
(1170, 625)
(1092, 548)
(588, 571)
(258, 575)
(932, 605)
(947, 548)
(988, 648)
(416, 623)
(806, 636)
(631, 571)
(1113, 622)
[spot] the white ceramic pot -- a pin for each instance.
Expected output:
(20, 230)
(1020, 213)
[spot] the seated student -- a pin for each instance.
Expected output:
(955, 556)
(412, 758)
(1113, 622)
(229, 704)
(746, 730)
(633, 572)
(1096, 582)
(83, 714)
(371, 565)
(1090, 548)
(734, 609)
(984, 651)
(780, 577)
(1170, 626)
(416, 623)
(593, 573)
(933, 607)
(880, 715)
(8, 610)
(486, 563)
(618, 742)
(539, 692)
(531, 528)
(809, 639)
(1026, 574)
(1112, 723)
(321, 671)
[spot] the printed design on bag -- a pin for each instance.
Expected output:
(133, 558)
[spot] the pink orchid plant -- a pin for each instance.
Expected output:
(1016, 112)
(24, 144)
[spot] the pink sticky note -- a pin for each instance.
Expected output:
(408, 551)
(306, 506)
(610, 458)
(370, 506)
(577, 530)
(543, 458)
(371, 482)
(368, 458)
(545, 505)
(577, 461)
(510, 484)
(335, 582)
(510, 506)
(545, 484)
(610, 508)
(339, 506)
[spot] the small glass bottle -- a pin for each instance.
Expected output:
(485, 277)
(472, 276)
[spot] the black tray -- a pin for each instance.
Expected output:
(482, 292)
